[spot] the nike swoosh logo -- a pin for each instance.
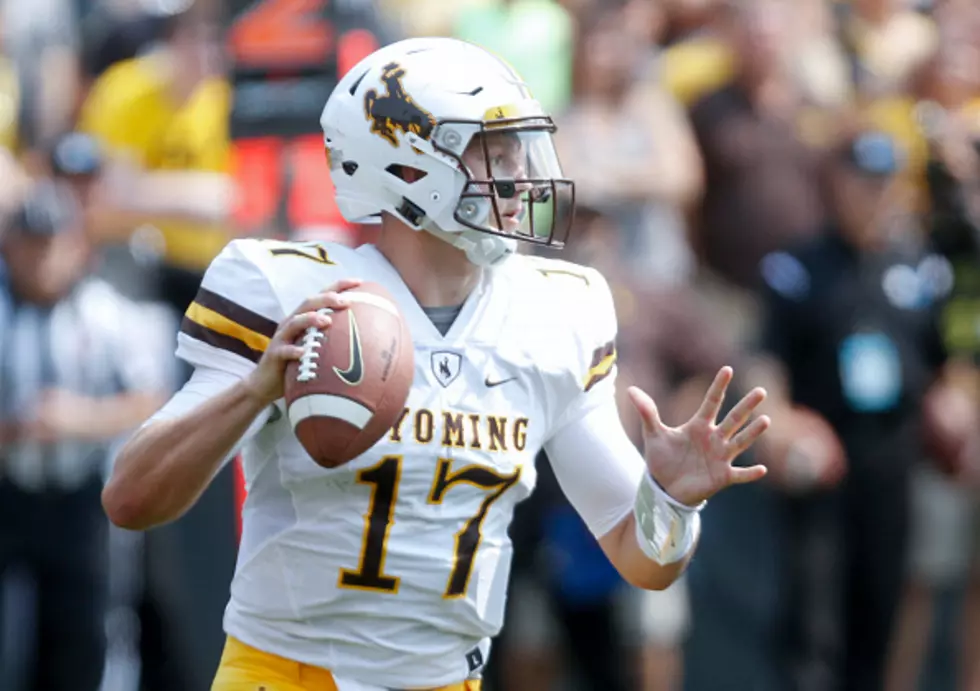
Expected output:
(491, 384)
(355, 370)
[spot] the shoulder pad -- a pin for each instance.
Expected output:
(579, 298)
(235, 313)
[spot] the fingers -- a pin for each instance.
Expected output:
(345, 284)
(741, 476)
(315, 313)
(292, 329)
(329, 300)
(332, 298)
(740, 414)
(711, 405)
(647, 409)
(744, 439)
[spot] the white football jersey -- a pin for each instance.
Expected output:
(392, 569)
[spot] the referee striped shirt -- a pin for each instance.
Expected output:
(94, 343)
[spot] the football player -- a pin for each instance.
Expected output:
(390, 572)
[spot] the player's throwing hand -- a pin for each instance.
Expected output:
(694, 461)
(266, 382)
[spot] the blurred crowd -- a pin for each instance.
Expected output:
(788, 186)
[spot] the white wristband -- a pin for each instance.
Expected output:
(666, 529)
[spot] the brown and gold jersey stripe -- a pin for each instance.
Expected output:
(603, 361)
(224, 324)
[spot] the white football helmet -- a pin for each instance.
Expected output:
(446, 137)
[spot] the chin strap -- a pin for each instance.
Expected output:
(482, 249)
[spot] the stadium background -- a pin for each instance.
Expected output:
(179, 125)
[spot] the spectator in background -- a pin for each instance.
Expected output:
(77, 161)
(937, 116)
(699, 59)
(629, 147)
(41, 40)
(851, 320)
(696, 59)
(114, 31)
(78, 367)
(886, 42)
(761, 191)
(163, 119)
(940, 124)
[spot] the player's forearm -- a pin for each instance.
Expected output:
(166, 466)
(635, 567)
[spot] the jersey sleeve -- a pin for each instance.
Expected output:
(597, 466)
(594, 461)
(234, 315)
(591, 376)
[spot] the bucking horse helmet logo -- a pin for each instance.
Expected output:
(396, 110)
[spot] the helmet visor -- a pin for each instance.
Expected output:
(515, 186)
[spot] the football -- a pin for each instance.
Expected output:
(353, 379)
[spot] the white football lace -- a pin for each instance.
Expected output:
(311, 344)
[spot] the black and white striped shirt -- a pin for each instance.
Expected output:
(94, 343)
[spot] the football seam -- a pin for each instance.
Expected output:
(313, 338)
(315, 403)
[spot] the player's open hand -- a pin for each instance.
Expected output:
(267, 380)
(694, 461)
